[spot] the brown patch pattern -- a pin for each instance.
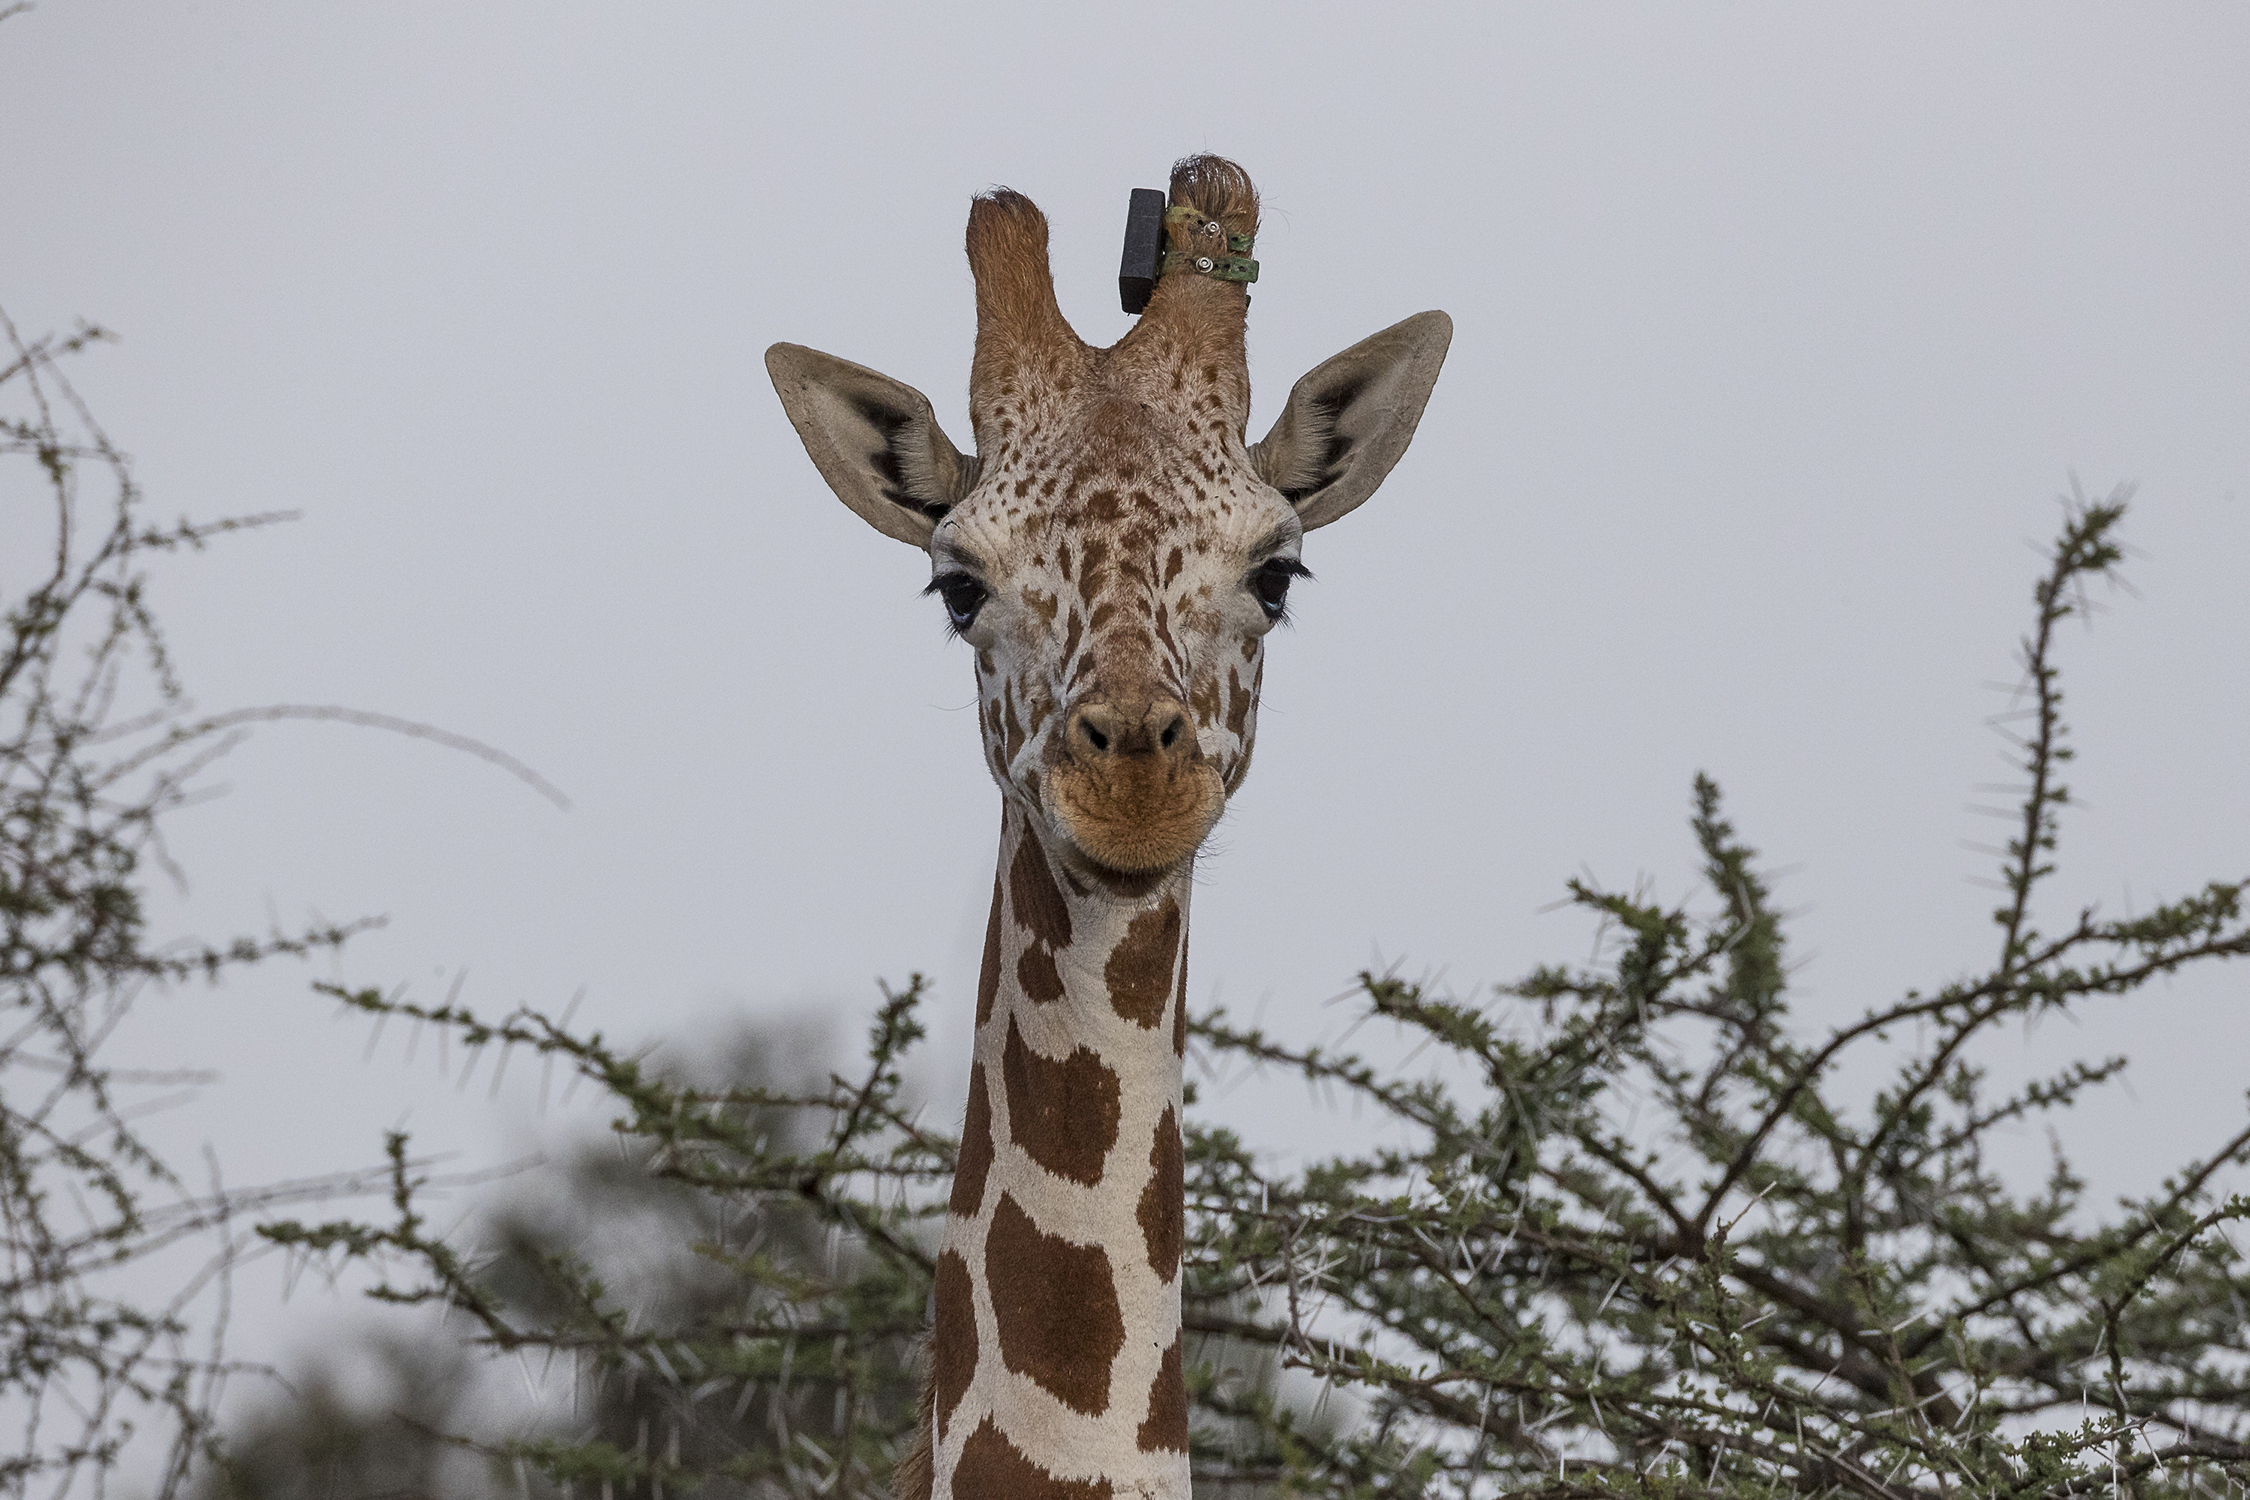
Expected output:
(1036, 972)
(1163, 1206)
(1179, 1010)
(1166, 1425)
(1056, 1305)
(1038, 901)
(1063, 1114)
(975, 1160)
(1041, 911)
(988, 980)
(1140, 969)
(1238, 704)
(953, 1342)
(992, 1468)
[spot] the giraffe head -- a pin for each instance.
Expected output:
(1113, 552)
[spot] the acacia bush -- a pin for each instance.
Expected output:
(597, 1245)
(116, 1262)
(1629, 1235)
(97, 744)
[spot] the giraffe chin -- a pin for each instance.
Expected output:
(1138, 822)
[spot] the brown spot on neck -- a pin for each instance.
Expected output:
(1179, 998)
(1056, 1306)
(953, 1341)
(988, 978)
(1163, 1207)
(975, 1159)
(992, 1468)
(1140, 968)
(1037, 901)
(1166, 1425)
(1036, 973)
(1063, 1115)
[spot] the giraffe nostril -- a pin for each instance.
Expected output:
(1171, 732)
(1095, 737)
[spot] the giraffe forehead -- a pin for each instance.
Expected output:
(1124, 464)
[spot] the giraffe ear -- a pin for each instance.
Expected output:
(873, 439)
(1349, 420)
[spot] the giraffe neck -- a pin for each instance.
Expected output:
(1055, 1360)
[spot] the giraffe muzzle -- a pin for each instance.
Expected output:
(1129, 785)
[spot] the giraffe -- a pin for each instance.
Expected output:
(1114, 555)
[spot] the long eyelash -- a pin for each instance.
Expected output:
(1294, 569)
(937, 586)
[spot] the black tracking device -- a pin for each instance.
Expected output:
(1144, 249)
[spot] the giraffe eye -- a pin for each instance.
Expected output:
(1271, 584)
(963, 596)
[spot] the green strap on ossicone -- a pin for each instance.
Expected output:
(1218, 267)
(1237, 266)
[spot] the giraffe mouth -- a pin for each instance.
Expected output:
(1137, 819)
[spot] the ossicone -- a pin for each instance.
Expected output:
(1021, 333)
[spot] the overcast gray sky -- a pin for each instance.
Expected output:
(1779, 328)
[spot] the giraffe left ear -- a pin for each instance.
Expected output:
(1349, 420)
(874, 439)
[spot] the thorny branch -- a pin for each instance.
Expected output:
(1629, 1235)
(95, 748)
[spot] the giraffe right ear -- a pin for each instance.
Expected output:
(1351, 418)
(874, 439)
